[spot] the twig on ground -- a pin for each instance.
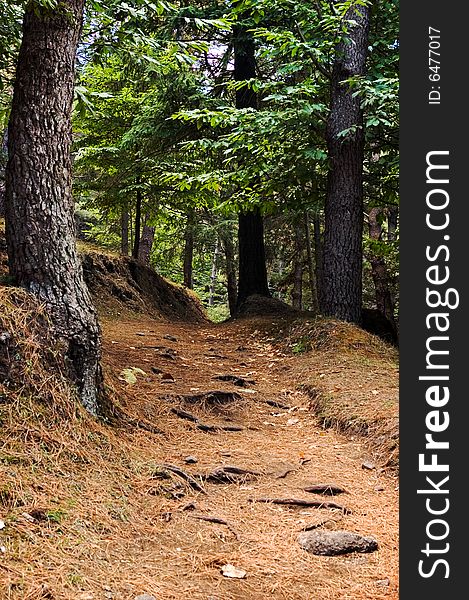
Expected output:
(190, 480)
(327, 489)
(216, 520)
(300, 502)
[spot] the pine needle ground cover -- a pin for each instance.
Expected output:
(91, 511)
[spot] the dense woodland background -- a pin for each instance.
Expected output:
(239, 148)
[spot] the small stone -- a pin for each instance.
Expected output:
(191, 460)
(233, 572)
(144, 597)
(333, 543)
(292, 421)
(2, 524)
(167, 378)
(379, 488)
(383, 582)
(171, 338)
(28, 517)
(369, 466)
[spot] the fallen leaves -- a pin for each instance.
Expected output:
(129, 375)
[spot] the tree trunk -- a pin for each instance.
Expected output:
(341, 285)
(379, 273)
(145, 244)
(138, 224)
(311, 265)
(232, 290)
(188, 250)
(297, 293)
(39, 206)
(125, 220)
(214, 272)
(252, 268)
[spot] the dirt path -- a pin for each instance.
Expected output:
(176, 554)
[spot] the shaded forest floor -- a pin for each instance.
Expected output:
(92, 512)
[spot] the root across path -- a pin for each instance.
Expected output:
(235, 422)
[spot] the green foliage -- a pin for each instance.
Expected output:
(155, 116)
(218, 313)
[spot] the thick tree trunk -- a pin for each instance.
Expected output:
(252, 268)
(341, 285)
(188, 250)
(379, 273)
(297, 293)
(138, 224)
(125, 221)
(146, 244)
(39, 206)
(232, 289)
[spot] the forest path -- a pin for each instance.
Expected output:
(283, 444)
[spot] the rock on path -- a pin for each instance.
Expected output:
(333, 543)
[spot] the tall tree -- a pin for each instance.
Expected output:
(341, 282)
(252, 266)
(39, 205)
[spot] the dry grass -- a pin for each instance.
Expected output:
(31, 361)
(105, 524)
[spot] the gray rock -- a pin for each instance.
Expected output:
(333, 543)
(191, 460)
(144, 597)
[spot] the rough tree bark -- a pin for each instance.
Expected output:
(252, 267)
(40, 226)
(146, 243)
(341, 285)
